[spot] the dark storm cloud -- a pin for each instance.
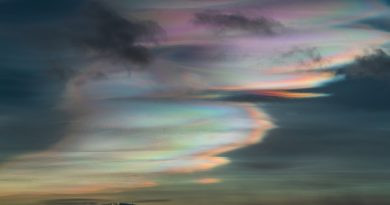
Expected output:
(103, 31)
(260, 25)
(83, 31)
(374, 64)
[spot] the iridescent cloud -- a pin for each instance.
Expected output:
(131, 143)
(129, 130)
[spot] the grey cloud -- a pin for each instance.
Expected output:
(312, 53)
(111, 35)
(306, 57)
(260, 25)
(68, 34)
(374, 64)
(97, 33)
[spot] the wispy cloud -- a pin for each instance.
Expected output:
(224, 22)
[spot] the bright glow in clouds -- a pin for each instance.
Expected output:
(287, 94)
(208, 181)
(133, 143)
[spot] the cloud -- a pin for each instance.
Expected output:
(306, 58)
(68, 35)
(100, 35)
(311, 53)
(260, 25)
(105, 32)
(374, 64)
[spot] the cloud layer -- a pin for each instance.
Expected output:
(225, 22)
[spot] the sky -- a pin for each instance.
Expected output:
(249, 102)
